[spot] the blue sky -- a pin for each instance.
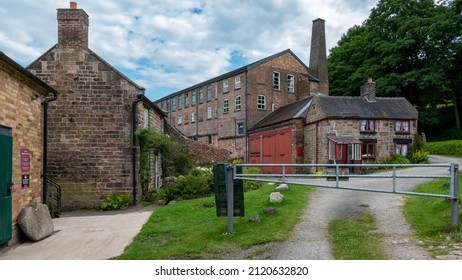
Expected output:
(167, 45)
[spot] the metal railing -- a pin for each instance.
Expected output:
(54, 197)
(338, 177)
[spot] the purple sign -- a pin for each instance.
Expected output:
(25, 160)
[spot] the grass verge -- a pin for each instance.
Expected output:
(449, 148)
(355, 239)
(191, 230)
(431, 217)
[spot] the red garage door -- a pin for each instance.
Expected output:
(274, 147)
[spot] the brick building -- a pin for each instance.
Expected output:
(22, 100)
(334, 129)
(92, 148)
(219, 111)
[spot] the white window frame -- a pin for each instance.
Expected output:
(237, 101)
(238, 125)
(402, 126)
(174, 104)
(209, 112)
(193, 98)
(290, 83)
(180, 102)
(180, 119)
(261, 102)
(193, 117)
(225, 106)
(225, 86)
(186, 100)
(276, 80)
(237, 82)
(367, 125)
(401, 149)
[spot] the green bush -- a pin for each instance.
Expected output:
(449, 148)
(397, 159)
(252, 185)
(115, 202)
(419, 156)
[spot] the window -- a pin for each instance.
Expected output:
(186, 100)
(201, 95)
(369, 150)
(168, 105)
(162, 104)
(173, 103)
(193, 98)
(261, 102)
(209, 113)
(180, 102)
(180, 120)
(225, 106)
(402, 126)
(209, 93)
(225, 86)
(290, 83)
(193, 117)
(146, 117)
(401, 149)
(276, 81)
(367, 126)
(240, 128)
(237, 82)
(238, 103)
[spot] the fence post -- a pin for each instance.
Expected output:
(455, 197)
(230, 196)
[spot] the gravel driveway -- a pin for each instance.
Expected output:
(309, 240)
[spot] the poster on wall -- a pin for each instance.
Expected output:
(25, 181)
(25, 160)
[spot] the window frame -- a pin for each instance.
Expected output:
(401, 146)
(174, 104)
(186, 100)
(201, 95)
(369, 147)
(237, 82)
(290, 83)
(276, 80)
(237, 105)
(193, 116)
(180, 102)
(261, 102)
(225, 106)
(180, 120)
(366, 124)
(146, 117)
(239, 128)
(225, 86)
(193, 98)
(401, 123)
(209, 93)
(209, 113)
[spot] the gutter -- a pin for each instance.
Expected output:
(45, 145)
(134, 123)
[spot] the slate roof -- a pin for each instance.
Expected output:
(295, 110)
(359, 107)
(238, 71)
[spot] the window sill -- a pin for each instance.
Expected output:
(403, 133)
(368, 132)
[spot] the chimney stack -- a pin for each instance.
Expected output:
(368, 90)
(318, 55)
(72, 28)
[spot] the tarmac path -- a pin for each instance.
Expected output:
(85, 235)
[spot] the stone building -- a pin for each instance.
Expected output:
(335, 129)
(22, 100)
(219, 111)
(93, 152)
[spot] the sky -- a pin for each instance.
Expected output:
(167, 45)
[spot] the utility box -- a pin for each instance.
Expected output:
(220, 177)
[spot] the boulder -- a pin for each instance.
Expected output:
(276, 197)
(282, 187)
(36, 222)
(270, 210)
(255, 219)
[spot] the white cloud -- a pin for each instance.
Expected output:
(175, 44)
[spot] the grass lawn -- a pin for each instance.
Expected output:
(431, 217)
(190, 229)
(448, 148)
(355, 239)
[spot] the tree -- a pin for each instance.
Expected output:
(410, 47)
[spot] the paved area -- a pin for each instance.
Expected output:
(85, 235)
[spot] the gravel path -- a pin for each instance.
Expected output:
(309, 239)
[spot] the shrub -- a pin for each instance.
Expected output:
(419, 156)
(397, 159)
(115, 202)
(252, 185)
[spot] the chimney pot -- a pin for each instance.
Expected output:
(73, 5)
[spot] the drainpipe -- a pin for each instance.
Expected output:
(45, 145)
(134, 183)
(247, 158)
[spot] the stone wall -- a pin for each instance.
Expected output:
(21, 113)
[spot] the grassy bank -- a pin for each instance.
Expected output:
(191, 230)
(431, 217)
(355, 239)
(448, 148)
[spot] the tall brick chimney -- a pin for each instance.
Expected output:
(318, 55)
(368, 90)
(72, 28)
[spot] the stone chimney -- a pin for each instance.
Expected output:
(368, 90)
(318, 55)
(72, 28)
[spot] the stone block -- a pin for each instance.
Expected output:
(276, 197)
(36, 222)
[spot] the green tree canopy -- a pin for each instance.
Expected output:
(412, 48)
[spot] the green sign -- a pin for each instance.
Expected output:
(220, 174)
